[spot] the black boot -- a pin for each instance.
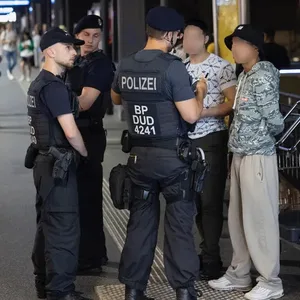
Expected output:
(133, 294)
(40, 288)
(187, 294)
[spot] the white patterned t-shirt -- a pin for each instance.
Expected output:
(220, 76)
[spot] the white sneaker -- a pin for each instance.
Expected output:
(28, 79)
(22, 78)
(9, 75)
(262, 293)
(223, 284)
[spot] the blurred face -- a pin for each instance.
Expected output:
(194, 40)
(63, 54)
(92, 38)
(242, 51)
(9, 26)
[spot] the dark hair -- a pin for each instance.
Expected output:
(198, 23)
(154, 33)
(27, 34)
(270, 33)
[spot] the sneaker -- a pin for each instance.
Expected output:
(262, 293)
(223, 284)
(22, 78)
(28, 79)
(9, 75)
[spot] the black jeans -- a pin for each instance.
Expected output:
(89, 179)
(159, 170)
(55, 252)
(209, 219)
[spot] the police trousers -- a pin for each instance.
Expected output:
(92, 250)
(55, 251)
(159, 170)
(209, 203)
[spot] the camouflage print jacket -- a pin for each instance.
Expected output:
(257, 118)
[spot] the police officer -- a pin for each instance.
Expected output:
(91, 79)
(155, 90)
(57, 142)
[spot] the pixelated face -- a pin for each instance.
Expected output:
(243, 51)
(194, 40)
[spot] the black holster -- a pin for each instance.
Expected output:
(199, 168)
(120, 187)
(126, 141)
(63, 160)
(30, 157)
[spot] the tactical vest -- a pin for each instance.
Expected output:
(45, 131)
(149, 113)
(75, 80)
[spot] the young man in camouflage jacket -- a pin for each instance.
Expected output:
(253, 211)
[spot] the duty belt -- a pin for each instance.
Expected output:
(61, 150)
(170, 144)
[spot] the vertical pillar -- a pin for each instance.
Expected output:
(227, 15)
(115, 38)
(46, 12)
(68, 16)
(244, 10)
(105, 17)
(38, 13)
(131, 26)
(59, 18)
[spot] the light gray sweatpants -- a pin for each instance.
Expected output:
(253, 220)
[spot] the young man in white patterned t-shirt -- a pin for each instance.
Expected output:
(212, 136)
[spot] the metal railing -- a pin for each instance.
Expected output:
(289, 154)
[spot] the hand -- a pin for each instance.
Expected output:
(84, 154)
(204, 113)
(202, 86)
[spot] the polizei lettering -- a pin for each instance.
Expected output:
(31, 101)
(139, 83)
(143, 122)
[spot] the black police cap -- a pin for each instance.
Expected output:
(57, 35)
(164, 19)
(88, 22)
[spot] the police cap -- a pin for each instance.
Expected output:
(88, 22)
(164, 19)
(57, 35)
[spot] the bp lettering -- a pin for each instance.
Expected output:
(32, 131)
(143, 120)
(139, 83)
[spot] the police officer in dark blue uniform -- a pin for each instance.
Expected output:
(54, 153)
(155, 90)
(91, 79)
